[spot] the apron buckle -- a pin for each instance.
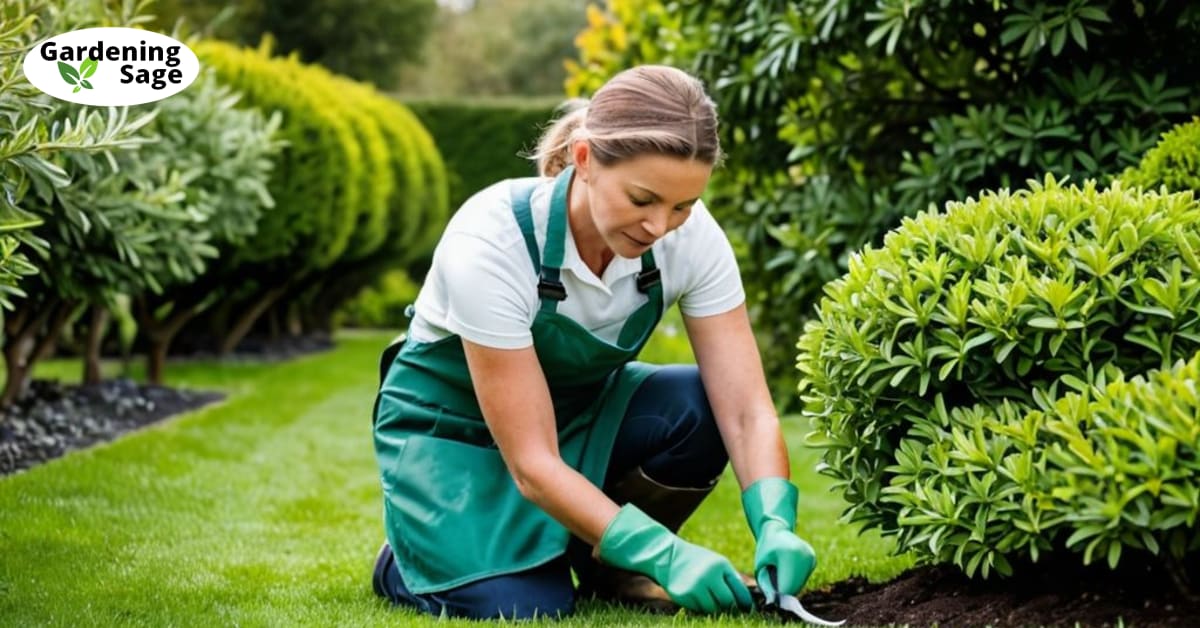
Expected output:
(550, 289)
(648, 279)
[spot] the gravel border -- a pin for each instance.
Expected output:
(52, 419)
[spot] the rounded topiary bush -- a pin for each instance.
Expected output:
(1173, 162)
(955, 377)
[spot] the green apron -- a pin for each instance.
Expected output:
(452, 511)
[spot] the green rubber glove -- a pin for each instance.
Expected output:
(770, 506)
(696, 578)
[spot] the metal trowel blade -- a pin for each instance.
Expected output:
(791, 604)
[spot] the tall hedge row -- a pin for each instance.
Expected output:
(359, 183)
(317, 181)
(482, 142)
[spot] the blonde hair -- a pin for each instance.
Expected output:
(649, 109)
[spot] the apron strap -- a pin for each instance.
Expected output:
(550, 287)
(520, 192)
(649, 282)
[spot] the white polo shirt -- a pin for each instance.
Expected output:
(482, 285)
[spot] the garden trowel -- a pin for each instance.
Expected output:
(788, 607)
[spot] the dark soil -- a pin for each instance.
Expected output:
(52, 419)
(1051, 596)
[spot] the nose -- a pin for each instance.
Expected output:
(656, 224)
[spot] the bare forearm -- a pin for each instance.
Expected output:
(732, 371)
(568, 497)
(756, 448)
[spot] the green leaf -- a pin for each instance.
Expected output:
(87, 68)
(68, 73)
(85, 84)
(899, 376)
(1057, 41)
(1094, 13)
(1045, 322)
(1114, 554)
(1078, 34)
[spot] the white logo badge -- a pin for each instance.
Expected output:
(111, 66)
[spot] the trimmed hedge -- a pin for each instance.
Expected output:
(936, 369)
(315, 180)
(482, 141)
(360, 188)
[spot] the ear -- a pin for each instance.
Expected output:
(580, 153)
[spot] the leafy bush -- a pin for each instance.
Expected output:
(315, 182)
(1173, 162)
(938, 369)
(382, 304)
(376, 178)
(359, 189)
(30, 138)
(415, 212)
(629, 33)
(225, 154)
(840, 121)
(481, 141)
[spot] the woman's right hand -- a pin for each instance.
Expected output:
(696, 578)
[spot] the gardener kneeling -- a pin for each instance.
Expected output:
(514, 396)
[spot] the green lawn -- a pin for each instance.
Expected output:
(265, 510)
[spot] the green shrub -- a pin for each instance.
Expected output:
(436, 203)
(481, 142)
(315, 181)
(382, 304)
(35, 134)
(414, 212)
(1174, 162)
(936, 367)
(376, 179)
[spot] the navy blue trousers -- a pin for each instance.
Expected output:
(668, 430)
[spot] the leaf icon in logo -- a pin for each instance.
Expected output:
(85, 84)
(87, 68)
(68, 73)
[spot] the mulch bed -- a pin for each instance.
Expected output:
(52, 419)
(1051, 596)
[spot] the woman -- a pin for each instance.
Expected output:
(514, 397)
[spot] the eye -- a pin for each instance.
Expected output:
(640, 202)
(683, 208)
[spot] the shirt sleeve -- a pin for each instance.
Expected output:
(490, 292)
(713, 284)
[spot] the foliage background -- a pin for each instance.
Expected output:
(482, 142)
(369, 40)
(838, 122)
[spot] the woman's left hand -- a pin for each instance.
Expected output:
(782, 561)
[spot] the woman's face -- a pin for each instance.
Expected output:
(636, 202)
